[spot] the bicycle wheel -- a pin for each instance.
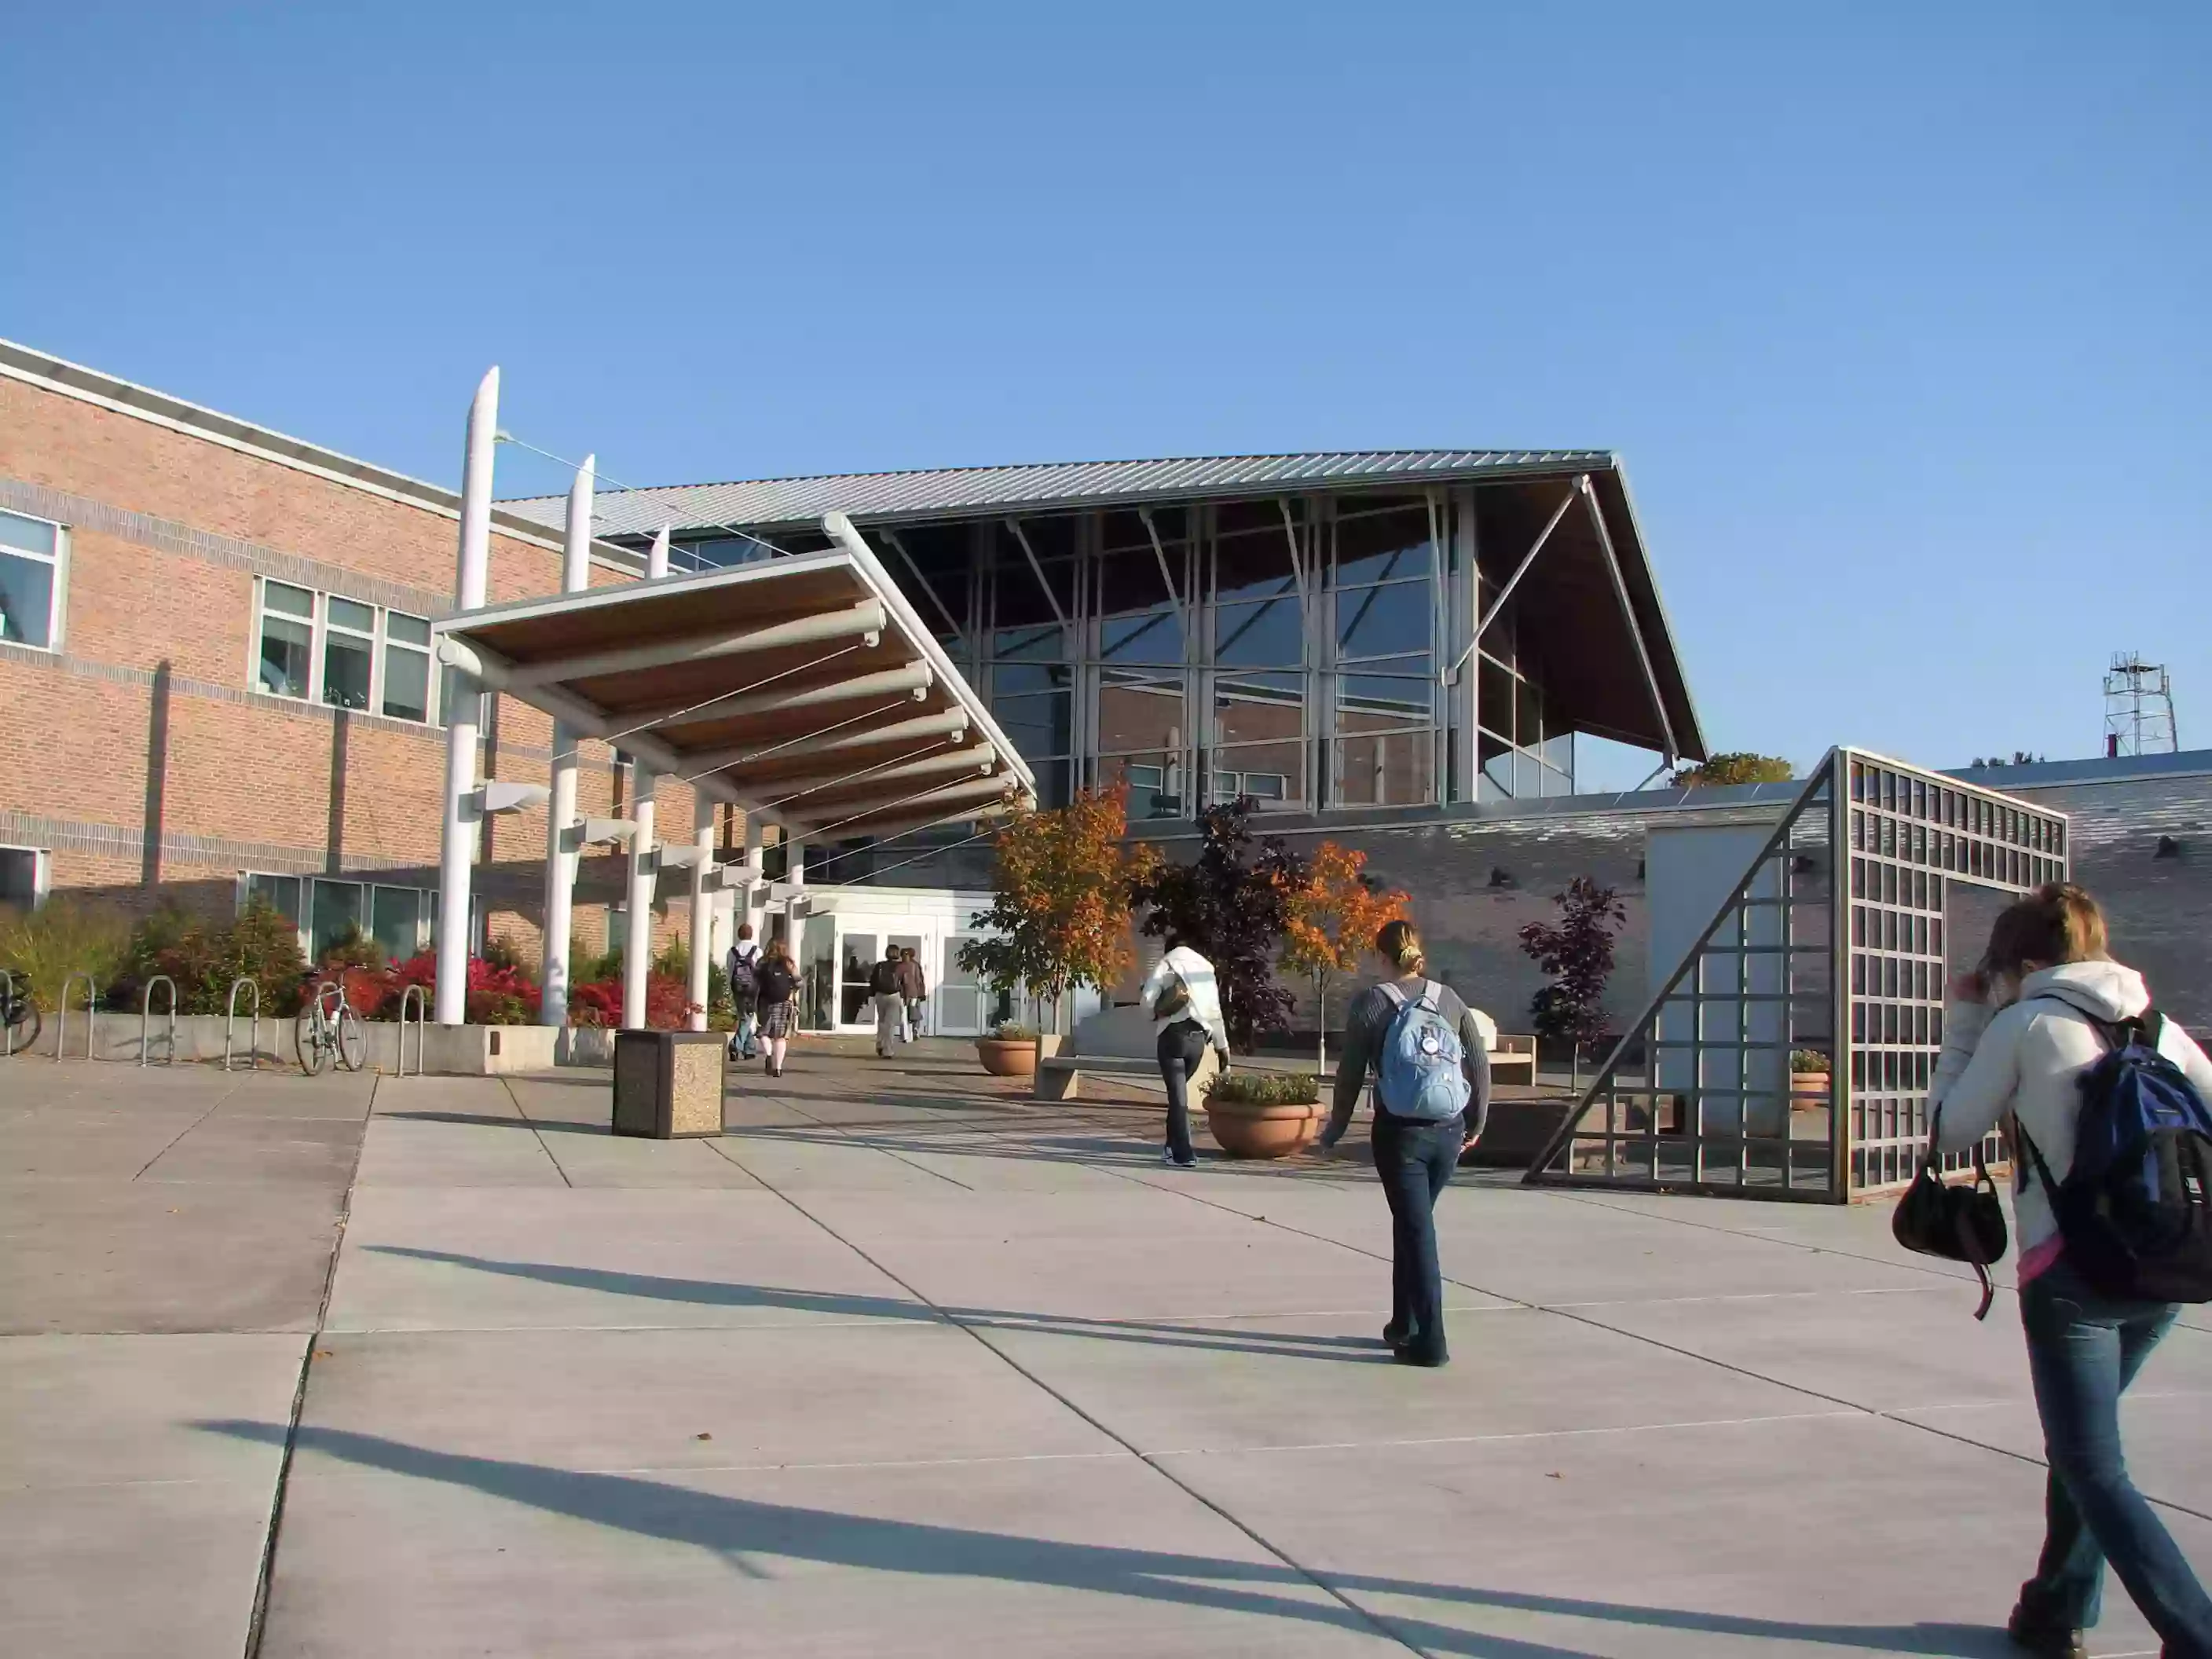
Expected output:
(24, 1026)
(350, 1040)
(310, 1042)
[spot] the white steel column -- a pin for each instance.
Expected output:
(702, 911)
(644, 857)
(794, 923)
(637, 945)
(560, 857)
(456, 845)
(750, 899)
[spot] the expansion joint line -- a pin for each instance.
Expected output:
(1370, 1621)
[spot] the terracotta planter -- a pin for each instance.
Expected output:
(1808, 1090)
(1005, 1057)
(1247, 1130)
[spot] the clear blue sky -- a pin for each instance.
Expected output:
(1899, 314)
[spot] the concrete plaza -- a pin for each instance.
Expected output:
(904, 1364)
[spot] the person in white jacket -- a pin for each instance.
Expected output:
(1184, 1000)
(2019, 1034)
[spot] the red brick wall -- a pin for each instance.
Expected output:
(247, 781)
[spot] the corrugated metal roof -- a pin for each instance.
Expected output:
(895, 497)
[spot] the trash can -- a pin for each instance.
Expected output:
(668, 1083)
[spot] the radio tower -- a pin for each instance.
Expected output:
(2139, 707)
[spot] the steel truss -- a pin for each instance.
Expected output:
(1832, 944)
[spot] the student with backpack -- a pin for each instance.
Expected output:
(2105, 1102)
(1185, 1004)
(1432, 1061)
(743, 966)
(891, 1005)
(777, 978)
(913, 990)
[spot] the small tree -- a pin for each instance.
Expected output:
(1722, 769)
(1333, 916)
(1230, 905)
(1578, 952)
(1059, 916)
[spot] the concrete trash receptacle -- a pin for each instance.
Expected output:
(668, 1083)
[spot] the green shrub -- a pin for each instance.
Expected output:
(355, 950)
(504, 953)
(1267, 1089)
(1013, 1030)
(62, 936)
(1807, 1061)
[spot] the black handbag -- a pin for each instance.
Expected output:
(1959, 1224)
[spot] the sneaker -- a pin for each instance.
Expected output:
(1395, 1335)
(2044, 1641)
(1167, 1155)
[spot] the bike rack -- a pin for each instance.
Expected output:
(7, 1001)
(414, 994)
(146, 1020)
(253, 1025)
(61, 1015)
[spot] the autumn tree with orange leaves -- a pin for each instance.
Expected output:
(1059, 915)
(1334, 915)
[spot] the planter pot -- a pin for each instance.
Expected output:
(1246, 1131)
(1809, 1089)
(1005, 1057)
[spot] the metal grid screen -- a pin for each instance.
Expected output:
(1789, 1054)
(1920, 845)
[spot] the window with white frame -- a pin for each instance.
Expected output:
(30, 581)
(326, 648)
(287, 640)
(22, 878)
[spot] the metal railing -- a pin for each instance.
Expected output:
(61, 1015)
(414, 995)
(254, 1025)
(146, 1021)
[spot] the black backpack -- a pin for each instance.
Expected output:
(2136, 1207)
(776, 982)
(883, 979)
(744, 970)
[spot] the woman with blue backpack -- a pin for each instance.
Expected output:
(2104, 1100)
(1432, 1062)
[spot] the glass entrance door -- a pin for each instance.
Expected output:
(957, 1000)
(856, 957)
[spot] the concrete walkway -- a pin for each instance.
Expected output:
(904, 1364)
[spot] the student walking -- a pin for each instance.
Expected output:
(1185, 1004)
(743, 969)
(1432, 1062)
(890, 1006)
(913, 990)
(777, 978)
(2047, 1013)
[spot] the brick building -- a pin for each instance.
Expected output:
(215, 657)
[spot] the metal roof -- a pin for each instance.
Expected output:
(950, 492)
(806, 690)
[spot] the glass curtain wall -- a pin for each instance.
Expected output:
(1284, 648)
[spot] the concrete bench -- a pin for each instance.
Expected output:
(1514, 1061)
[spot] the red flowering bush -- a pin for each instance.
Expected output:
(496, 995)
(667, 1003)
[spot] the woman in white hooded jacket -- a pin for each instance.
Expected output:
(2019, 1038)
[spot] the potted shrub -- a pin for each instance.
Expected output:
(1009, 1050)
(1808, 1078)
(1264, 1114)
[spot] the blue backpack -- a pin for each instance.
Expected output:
(1419, 1075)
(2136, 1207)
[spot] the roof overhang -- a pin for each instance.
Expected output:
(803, 690)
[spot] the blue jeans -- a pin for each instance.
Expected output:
(2083, 1349)
(1415, 1161)
(1181, 1045)
(745, 1041)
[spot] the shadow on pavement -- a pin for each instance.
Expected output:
(736, 1527)
(712, 1293)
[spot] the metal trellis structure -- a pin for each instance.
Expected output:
(1831, 952)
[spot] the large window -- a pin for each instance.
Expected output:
(30, 581)
(343, 652)
(22, 878)
(1385, 612)
(401, 921)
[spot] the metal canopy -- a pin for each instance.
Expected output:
(803, 690)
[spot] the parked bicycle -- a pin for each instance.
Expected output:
(18, 1013)
(327, 1028)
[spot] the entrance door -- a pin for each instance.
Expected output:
(956, 1001)
(920, 946)
(856, 959)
